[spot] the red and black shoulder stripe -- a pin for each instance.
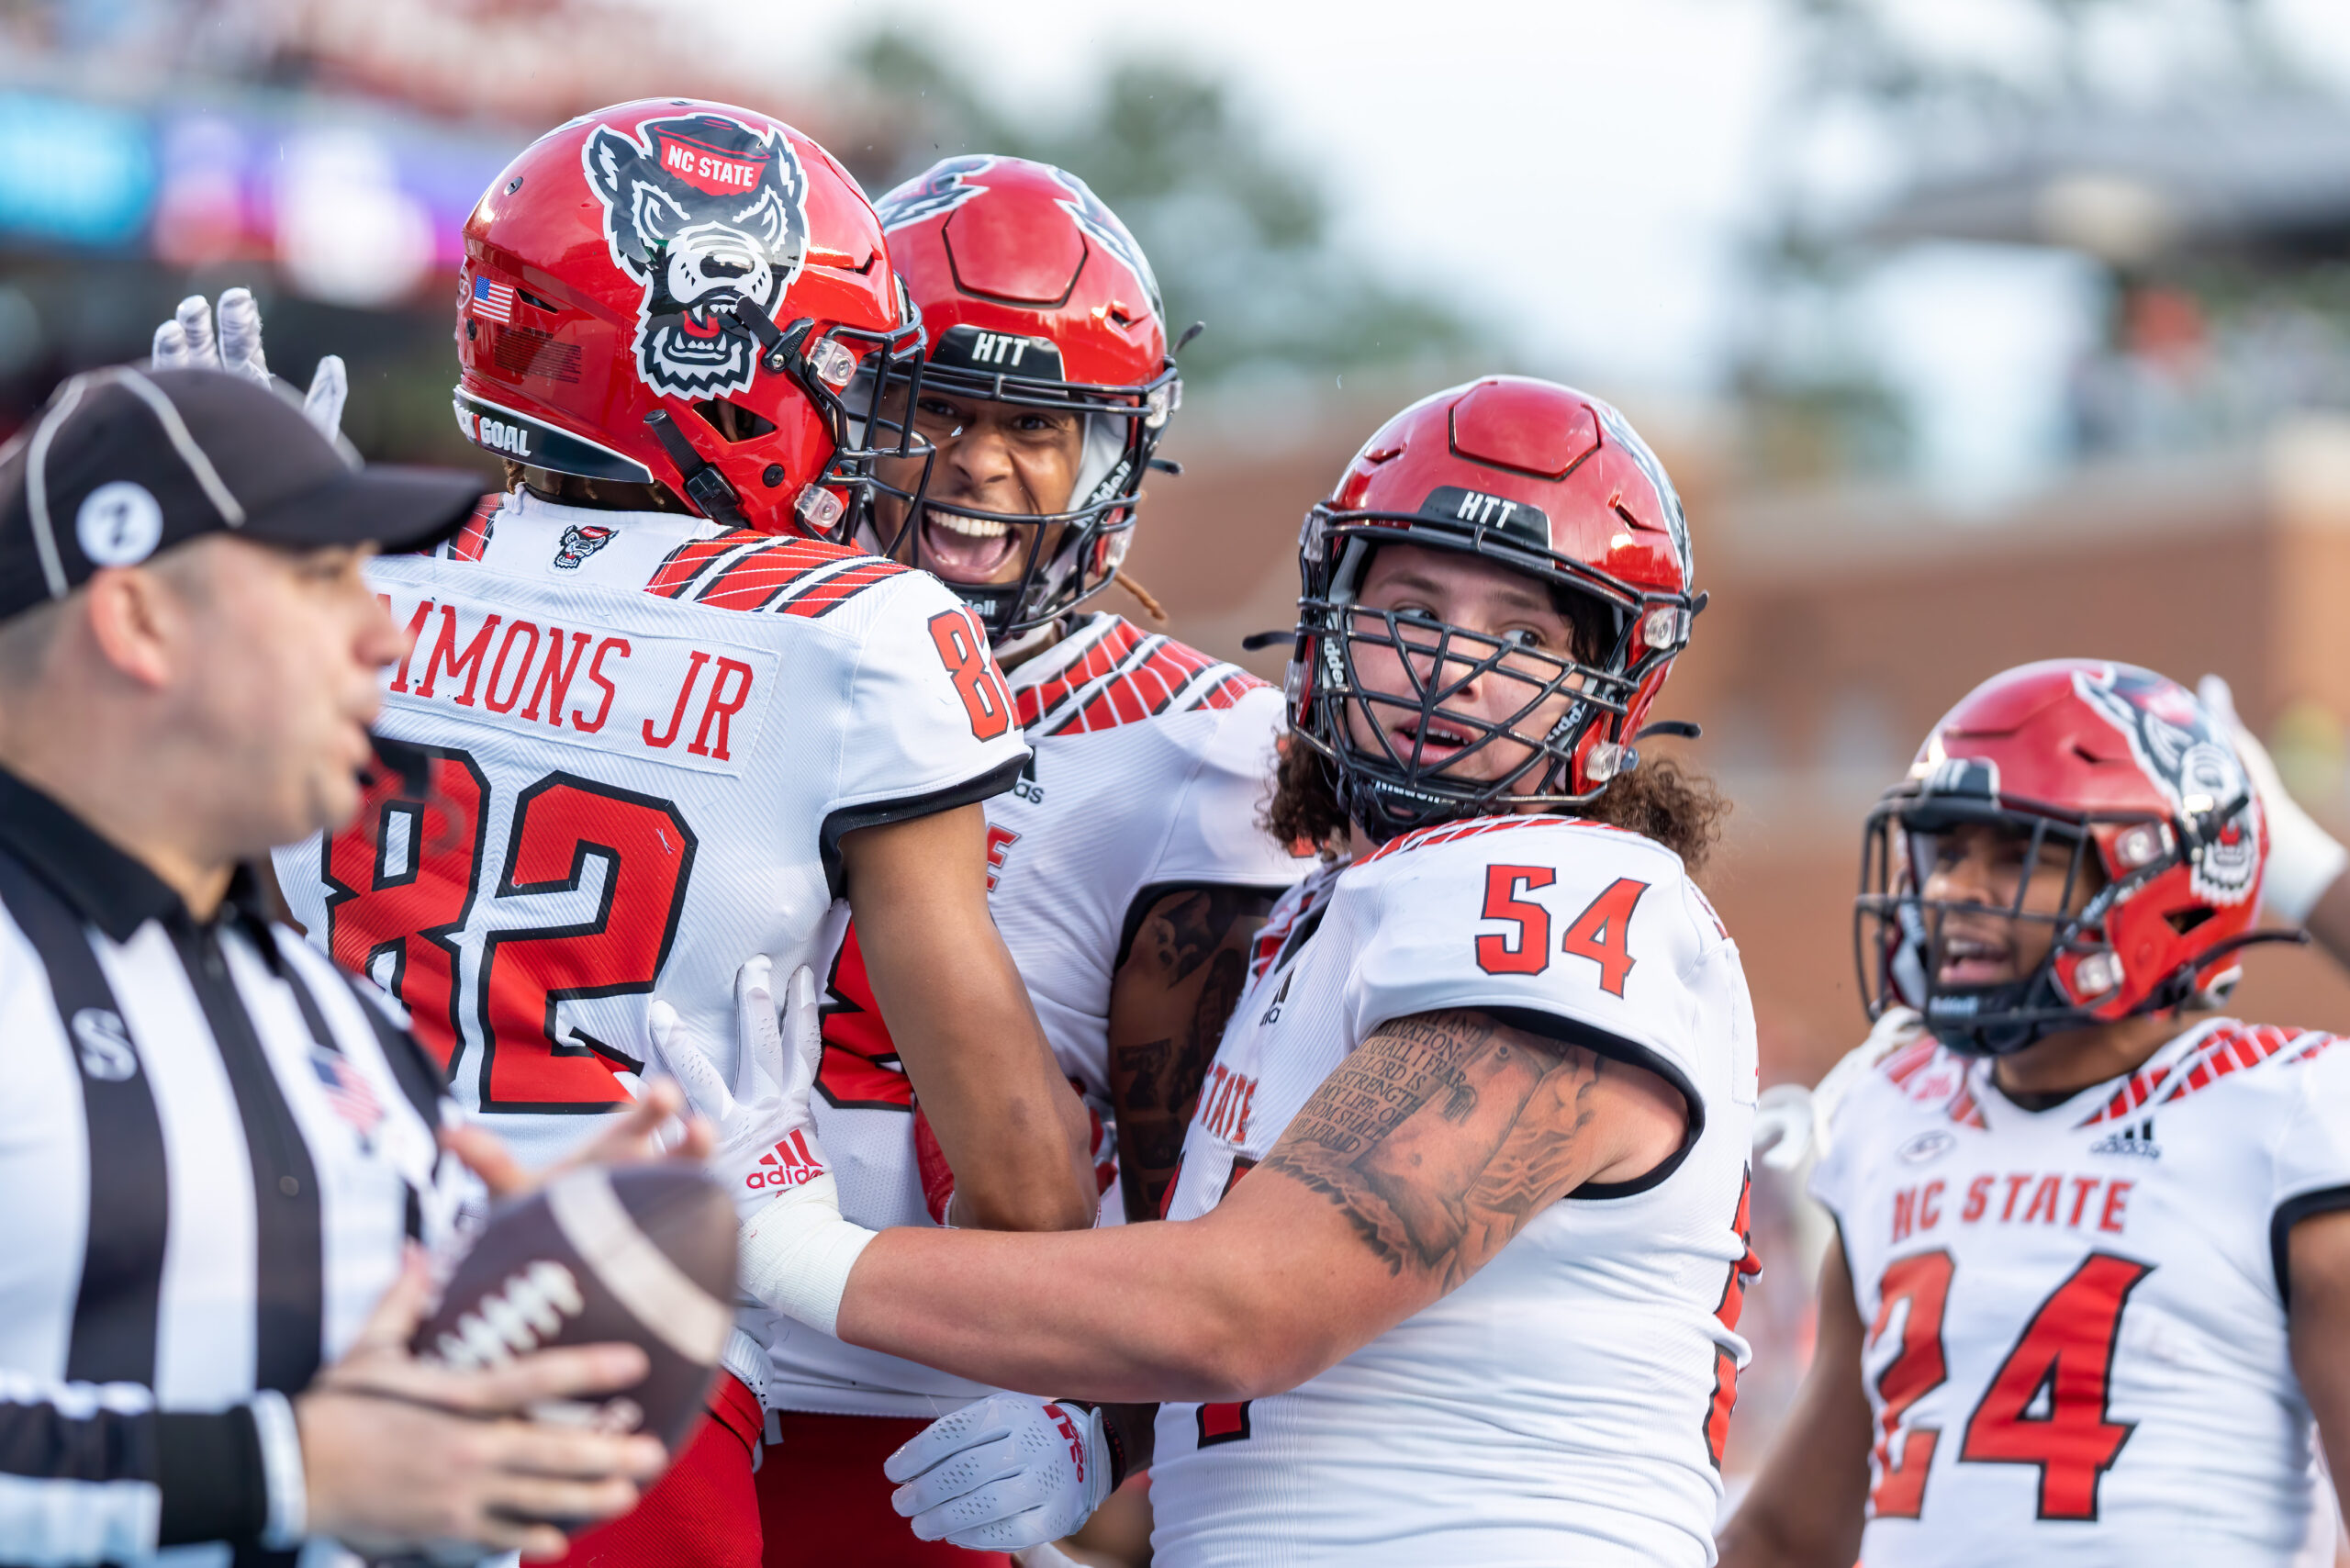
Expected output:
(742, 570)
(1127, 676)
(472, 536)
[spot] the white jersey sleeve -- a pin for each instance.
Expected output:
(2312, 1150)
(929, 722)
(1572, 929)
(1213, 834)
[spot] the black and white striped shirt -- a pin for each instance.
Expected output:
(213, 1148)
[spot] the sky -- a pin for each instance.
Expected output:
(1575, 171)
(1583, 173)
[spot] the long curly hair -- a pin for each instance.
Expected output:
(1661, 799)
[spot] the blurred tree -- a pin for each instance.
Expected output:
(1880, 101)
(1238, 235)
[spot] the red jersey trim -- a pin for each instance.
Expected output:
(1906, 1062)
(472, 538)
(1445, 833)
(1125, 676)
(2228, 1048)
(740, 570)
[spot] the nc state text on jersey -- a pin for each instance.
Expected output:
(2023, 1197)
(694, 702)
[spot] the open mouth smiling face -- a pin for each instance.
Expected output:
(970, 549)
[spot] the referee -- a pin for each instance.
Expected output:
(214, 1150)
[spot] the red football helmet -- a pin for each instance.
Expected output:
(1032, 293)
(679, 293)
(1541, 478)
(2107, 761)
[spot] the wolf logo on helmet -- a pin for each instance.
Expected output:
(707, 215)
(2176, 746)
(1101, 226)
(944, 189)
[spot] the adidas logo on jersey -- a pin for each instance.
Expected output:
(788, 1164)
(1025, 787)
(2138, 1139)
(1273, 1014)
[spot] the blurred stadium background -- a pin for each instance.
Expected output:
(1975, 330)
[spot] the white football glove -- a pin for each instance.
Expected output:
(759, 1129)
(1003, 1473)
(2303, 858)
(797, 1249)
(189, 341)
(1784, 1129)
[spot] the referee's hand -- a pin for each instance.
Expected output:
(400, 1454)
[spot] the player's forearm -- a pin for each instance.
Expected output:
(1134, 1314)
(1759, 1536)
(1015, 1133)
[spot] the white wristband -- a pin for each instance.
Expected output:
(796, 1253)
(281, 1463)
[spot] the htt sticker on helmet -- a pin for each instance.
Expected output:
(706, 214)
(2175, 745)
(940, 191)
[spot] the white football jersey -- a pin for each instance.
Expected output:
(1151, 764)
(646, 736)
(2075, 1327)
(1569, 1402)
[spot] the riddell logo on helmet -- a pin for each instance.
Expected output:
(709, 214)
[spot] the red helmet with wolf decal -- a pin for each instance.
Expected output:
(2138, 784)
(677, 293)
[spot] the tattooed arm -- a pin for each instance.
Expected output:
(1406, 1171)
(1168, 1006)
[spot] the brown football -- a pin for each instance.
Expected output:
(641, 1253)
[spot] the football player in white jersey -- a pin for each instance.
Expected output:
(658, 716)
(1491, 1086)
(1126, 869)
(2094, 1278)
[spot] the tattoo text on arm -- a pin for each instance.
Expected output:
(1442, 1135)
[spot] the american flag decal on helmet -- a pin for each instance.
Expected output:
(493, 302)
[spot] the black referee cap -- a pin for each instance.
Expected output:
(123, 463)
